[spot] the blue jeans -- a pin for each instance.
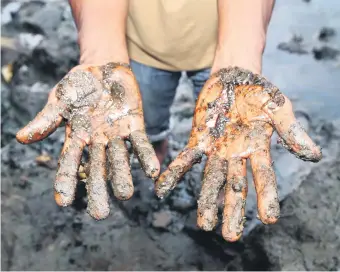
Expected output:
(158, 89)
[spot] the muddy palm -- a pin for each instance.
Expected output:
(234, 119)
(102, 108)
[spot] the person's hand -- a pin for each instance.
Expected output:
(102, 108)
(234, 119)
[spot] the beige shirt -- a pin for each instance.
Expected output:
(173, 35)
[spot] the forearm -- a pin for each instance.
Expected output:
(242, 32)
(101, 30)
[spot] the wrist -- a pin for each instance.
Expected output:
(103, 50)
(101, 30)
(249, 58)
(101, 57)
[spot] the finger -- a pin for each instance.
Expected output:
(98, 198)
(145, 153)
(214, 178)
(66, 177)
(46, 122)
(120, 169)
(235, 200)
(293, 136)
(184, 161)
(265, 185)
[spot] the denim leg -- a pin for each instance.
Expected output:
(158, 89)
(198, 79)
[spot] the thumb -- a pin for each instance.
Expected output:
(46, 122)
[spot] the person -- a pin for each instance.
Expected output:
(132, 53)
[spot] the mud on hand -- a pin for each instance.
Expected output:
(234, 119)
(103, 109)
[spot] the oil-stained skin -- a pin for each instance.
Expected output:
(102, 108)
(234, 119)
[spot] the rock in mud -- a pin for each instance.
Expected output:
(162, 219)
(294, 46)
(326, 34)
(325, 53)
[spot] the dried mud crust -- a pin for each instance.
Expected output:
(235, 115)
(211, 117)
(99, 104)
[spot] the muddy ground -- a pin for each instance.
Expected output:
(145, 233)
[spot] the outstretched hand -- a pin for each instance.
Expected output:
(234, 119)
(102, 108)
